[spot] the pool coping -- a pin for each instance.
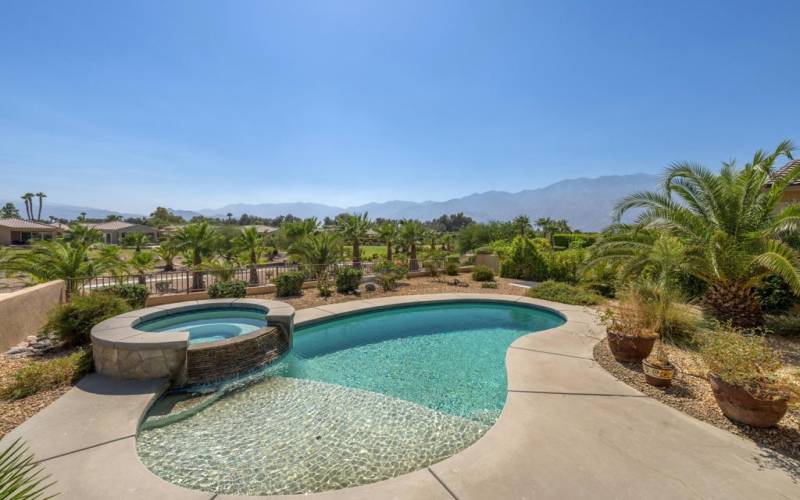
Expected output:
(569, 429)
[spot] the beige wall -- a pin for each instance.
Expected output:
(24, 312)
(5, 236)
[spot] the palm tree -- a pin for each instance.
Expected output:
(730, 224)
(60, 260)
(9, 211)
(111, 255)
(168, 250)
(389, 232)
(522, 224)
(196, 239)
(447, 242)
(41, 197)
(82, 217)
(353, 229)
(411, 233)
(83, 234)
(28, 199)
(318, 251)
(136, 240)
(295, 231)
(142, 263)
(253, 243)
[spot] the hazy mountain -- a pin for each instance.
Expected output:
(64, 211)
(585, 203)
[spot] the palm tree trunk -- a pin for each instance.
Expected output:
(388, 250)
(735, 303)
(413, 265)
(357, 254)
(253, 268)
(197, 276)
(39, 214)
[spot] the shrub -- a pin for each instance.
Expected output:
(44, 375)
(785, 325)
(132, 293)
(564, 293)
(744, 360)
(389, 273)
(524, 262)
(565, 266)
(348, 279)
(452, 269)
(487, 250)
(482, 273)
(453, 258)
(574, 240)
(489, 284)
(289, 284)
(775, 295)
(432, 267)
(227, 290)
(72, 322)
(324, 285)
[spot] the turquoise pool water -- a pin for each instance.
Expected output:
(209, 325)
(359, 399)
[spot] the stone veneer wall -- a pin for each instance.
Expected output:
(24, 312)
(140, 363)
(233, 356)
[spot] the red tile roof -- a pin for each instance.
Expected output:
(26, 224)
(784, 170)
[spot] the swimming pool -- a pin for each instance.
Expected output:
(359, 399)
(208, 325)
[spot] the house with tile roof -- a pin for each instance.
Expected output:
(22, 232)
(792, 192)
(114, 232)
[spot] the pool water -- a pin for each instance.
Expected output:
(359, 399)
(209, 325)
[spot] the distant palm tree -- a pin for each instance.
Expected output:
(317, 251)
(253, 243)
(229, 216)
(83, 234)
(353, 229)
(167, 250)
(197, 239)
(41, 197)
(411, 233)
(142, 263)
(82, 217)
(389, 232)
(28, 199)
(295, 231)
(729, 223)
(522, 224)
(136, 240)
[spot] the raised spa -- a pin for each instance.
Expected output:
(208, 325)
(358, 399)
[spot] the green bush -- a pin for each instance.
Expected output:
(451, 269)
(348, 279)
(72, 322)
(432, 267)
(524, 262)
(132, 293)
(775, 295)
(227, 290)
(487, 250)
(565, 266)
(564, 293)
(482, 273)
(453, 258)
(45, 375)
(389, 273)
(289, 284)
(574, 240)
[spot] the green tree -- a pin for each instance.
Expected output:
(167, 251)
(28, 199)
(522, 224)
(196, 239)
(142, 263)
(294, 231)
(317, 252)
(389, 233)
(82, 234)
(411, 233)
(136, 240)
(353, 229)
(41, 196)
(252, 243)
(524, 261)
(731, 225)
(9, 211)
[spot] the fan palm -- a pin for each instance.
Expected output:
(253, 243)
(389, 232)
(196, 239)
(317, 251)
(142, 263)
(353, 229)
(411, 234)
(167, 250)
(730, 224)
(136, 240)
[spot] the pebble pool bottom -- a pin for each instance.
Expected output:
(359, 399)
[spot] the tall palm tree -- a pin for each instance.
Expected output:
(411, 233)
(253, 243)
(142, 263)
(353, 229)
(318, 251)
(197, 239)
(522, 224)
(389, 232)
(41, 197)
(730, 224)
(28, 199)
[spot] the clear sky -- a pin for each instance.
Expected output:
(195, 104)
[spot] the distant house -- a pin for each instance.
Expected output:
(792, 192)
(22, 232)
(114, 232)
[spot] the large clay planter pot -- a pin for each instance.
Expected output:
(658, 376)
(630, 349)
(740, 406)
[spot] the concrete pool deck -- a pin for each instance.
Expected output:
(569, 429)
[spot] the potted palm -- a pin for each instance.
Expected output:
(744, 375)
(629, 331)
(658, 371)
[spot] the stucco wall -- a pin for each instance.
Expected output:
(24, 312)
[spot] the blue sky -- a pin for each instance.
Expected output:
(197, 104)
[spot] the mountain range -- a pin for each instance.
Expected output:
(586, 203)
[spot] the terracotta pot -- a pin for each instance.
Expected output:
(630, 349)
(740, 406)
(658, 376)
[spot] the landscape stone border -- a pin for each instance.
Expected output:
(122, 351)
(569, 429)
